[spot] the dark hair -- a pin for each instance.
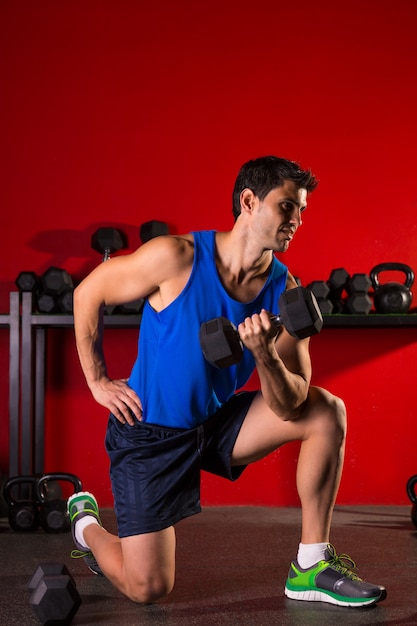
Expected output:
(266, 173)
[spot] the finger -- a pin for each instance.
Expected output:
(124, 415)
(127, 401)
(133, 403)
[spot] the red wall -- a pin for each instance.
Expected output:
(114, 113)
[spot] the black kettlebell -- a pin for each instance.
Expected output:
(392, 297)
(411, 492)
(21, 498)
(53, 509)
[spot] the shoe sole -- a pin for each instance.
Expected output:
(314, 595)
(80, 495)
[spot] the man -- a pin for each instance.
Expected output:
(178, 414)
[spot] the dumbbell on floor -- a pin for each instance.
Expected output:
(54, 598)
(299, 314)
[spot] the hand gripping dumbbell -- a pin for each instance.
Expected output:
(299, 314)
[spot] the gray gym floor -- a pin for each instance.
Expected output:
(232, 564)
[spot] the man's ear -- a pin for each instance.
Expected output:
(247, 200)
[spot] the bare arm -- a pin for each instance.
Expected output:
(156, 270)
(283, 363)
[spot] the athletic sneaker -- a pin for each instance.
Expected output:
(332, 580)
(79, 505)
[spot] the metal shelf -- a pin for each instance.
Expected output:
(349, 320)
(62, 320)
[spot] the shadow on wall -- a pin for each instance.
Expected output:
(71, 250)
(63, 245)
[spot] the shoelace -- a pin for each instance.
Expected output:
(89, 560)
(80, 554)
(343, 563)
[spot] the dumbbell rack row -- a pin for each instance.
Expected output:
(27, 362)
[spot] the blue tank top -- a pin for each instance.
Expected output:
(177, 386)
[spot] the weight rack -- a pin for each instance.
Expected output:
(27, 364)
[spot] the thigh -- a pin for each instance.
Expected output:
(220, 434)
(263, 431)
(155, 474)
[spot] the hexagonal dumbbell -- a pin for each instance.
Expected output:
(152, 229)
(359, 283)
(46, 303)
(27, 281)
(358, 287)
(55, 291)
(337, 282)
(65, 302)
(299, 314)
(54, 598)
(359, 303)
(321, 290)
(55, 281)
(48, 569)
(108, 240)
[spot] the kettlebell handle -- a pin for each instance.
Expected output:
(30, 479)
(71, 478)
(401, 267)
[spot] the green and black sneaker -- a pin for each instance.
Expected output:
(79, 505)
(332, 580)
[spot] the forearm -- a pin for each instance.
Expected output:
(88, 327)
(283, 391)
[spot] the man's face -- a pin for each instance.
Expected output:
(278, 215)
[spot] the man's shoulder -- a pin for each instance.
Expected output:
(173, 250)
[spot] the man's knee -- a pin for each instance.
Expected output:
(330, 413)
(146, 591)
(148, 565)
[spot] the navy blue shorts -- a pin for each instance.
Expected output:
(155, 471)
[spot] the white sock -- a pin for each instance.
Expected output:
(310, 553)
(80, 525)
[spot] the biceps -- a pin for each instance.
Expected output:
(118, 280)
